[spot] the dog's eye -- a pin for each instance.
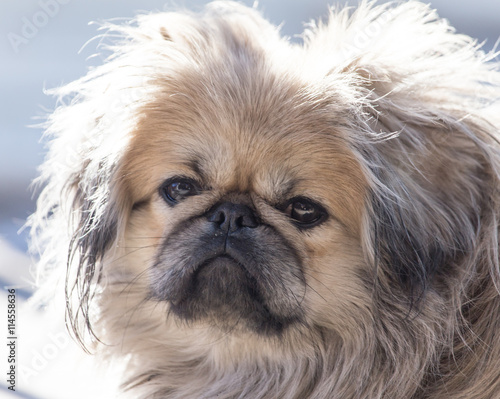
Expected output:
(305, 212)
(176, 189)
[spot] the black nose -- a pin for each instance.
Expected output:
(230, 217)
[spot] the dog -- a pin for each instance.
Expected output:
(241, 216)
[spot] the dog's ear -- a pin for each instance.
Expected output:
(419, 234)
(79, 211)
(96, 213)
(423, 135)
(432, 171)
(432, 189)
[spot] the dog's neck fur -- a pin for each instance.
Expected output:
(197, 361)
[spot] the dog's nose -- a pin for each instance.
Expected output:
(231, 217)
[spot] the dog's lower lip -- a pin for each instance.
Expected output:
(219, 261)
(218, 258)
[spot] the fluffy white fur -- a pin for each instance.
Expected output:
(413, 310)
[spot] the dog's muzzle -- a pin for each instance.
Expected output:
(227, 266)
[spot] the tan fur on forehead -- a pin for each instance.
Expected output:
(244, 148)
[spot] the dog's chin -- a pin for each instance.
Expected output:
(223, 292)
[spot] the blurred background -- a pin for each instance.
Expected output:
(41, 46)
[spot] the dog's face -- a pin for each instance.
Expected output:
(248, 219)
(270, 219)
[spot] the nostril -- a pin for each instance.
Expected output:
(217, 217)
(247, 221)
(239, 222)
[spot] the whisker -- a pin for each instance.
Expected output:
(135, 279)
(319, 281)
(128, 253)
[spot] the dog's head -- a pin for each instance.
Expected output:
(249, 185)
(245, 215)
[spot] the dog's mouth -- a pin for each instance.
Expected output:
(222, 288)
(244, 282)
